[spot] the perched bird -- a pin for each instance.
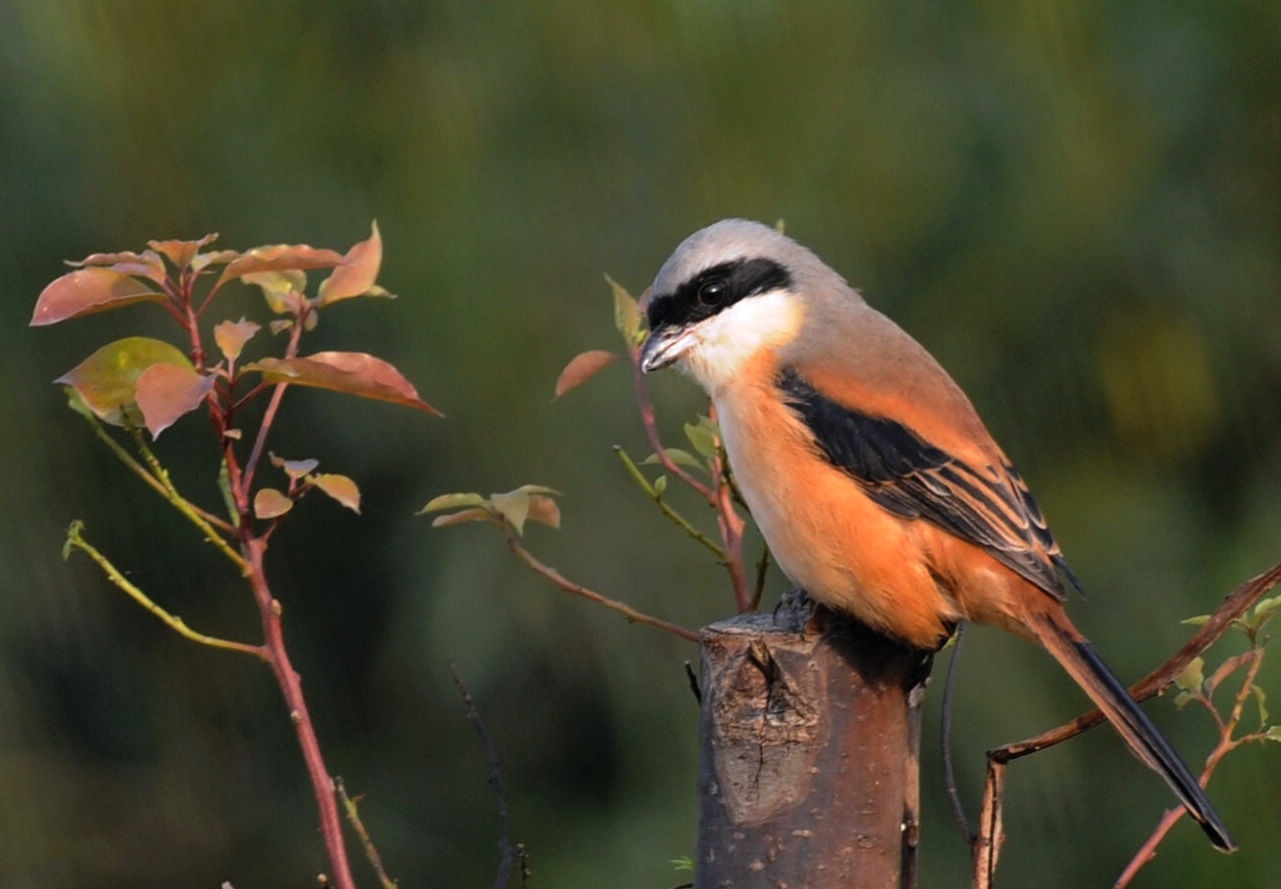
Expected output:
(868, 471)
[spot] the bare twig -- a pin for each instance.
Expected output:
(507, 851)
(945, 736)
(75, 540)
(353, 818)
(579, 590)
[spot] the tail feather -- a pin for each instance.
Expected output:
(1083, 663)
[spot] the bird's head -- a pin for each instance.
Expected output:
(729, 291)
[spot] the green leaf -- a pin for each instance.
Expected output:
(1273, 733)
(1199, 621)
(270, 503)
(676, 455)
(339, 487)
(1183, 698)
(1192, 676)
(583, 367)
(627, 316)
(279, 257)
(702, 436)
(282, 290)
(1264, 611)
(516, 506)
(165, 392)
(231, 336)
(90, 290)
(107, 380)
(355, 373)
(356, 276)
(684, 862)
(1261, 697)
(295, 469)
(660, 485)
(453, 501)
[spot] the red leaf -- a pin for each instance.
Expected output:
(278, 258)
(355, 373)
(167, 391)
(146, 264)
(180, 253)
(356, 276)
(582, 368)
(89, 290)
(107, 380)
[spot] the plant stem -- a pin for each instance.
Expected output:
(291, 687)
(681, 522)
(578, 590)
(75, 540)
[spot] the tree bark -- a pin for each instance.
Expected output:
(809, 747)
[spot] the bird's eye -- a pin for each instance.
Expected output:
(712, 293)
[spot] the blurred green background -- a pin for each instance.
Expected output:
(1073, 204)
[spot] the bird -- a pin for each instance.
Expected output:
(872, 479)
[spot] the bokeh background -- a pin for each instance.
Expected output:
(1073, 204)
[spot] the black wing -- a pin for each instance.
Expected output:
(988, 506)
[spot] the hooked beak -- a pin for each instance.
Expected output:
(663, 347)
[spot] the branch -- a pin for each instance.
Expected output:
(657, 496)
(1160, 679)
(76, 541)
(495, 780)
(591, 595)
(353, 818)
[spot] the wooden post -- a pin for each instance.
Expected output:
(809, 743)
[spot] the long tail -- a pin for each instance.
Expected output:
(1083, 663)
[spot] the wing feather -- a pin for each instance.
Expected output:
(989, 506)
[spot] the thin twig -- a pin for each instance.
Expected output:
(1160, 679)
(579, 590)
(75, 540)
(657, 496)
(651, 432)
(353, 818)
(507, 851)
(945, 736)
(269, 415)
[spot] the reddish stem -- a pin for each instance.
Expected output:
(291, 686)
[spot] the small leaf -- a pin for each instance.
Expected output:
(279, 257)
(166, 392)
(453, 501)
(537, 489)
(660, 485)
(582, 368)
(458, 518)
(702, 437)
(295, 469)
(514, 507)
(283, 290)
(627, 316)
(545, 510)
(1261, 697)
(1199, 621)
(1264, 611)
(1183, 698)
(1273, 733)
(90, 290)
(280, 326)
(685, 862)
(231, 336)
(146, 264)
(355, 373)
(181, 253)
(270, 503)
(1192, 676)
(107, 380)
(356, 276)
(202, 261)
(677, 455)
(339, 487)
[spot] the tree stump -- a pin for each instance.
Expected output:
(809, 748)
